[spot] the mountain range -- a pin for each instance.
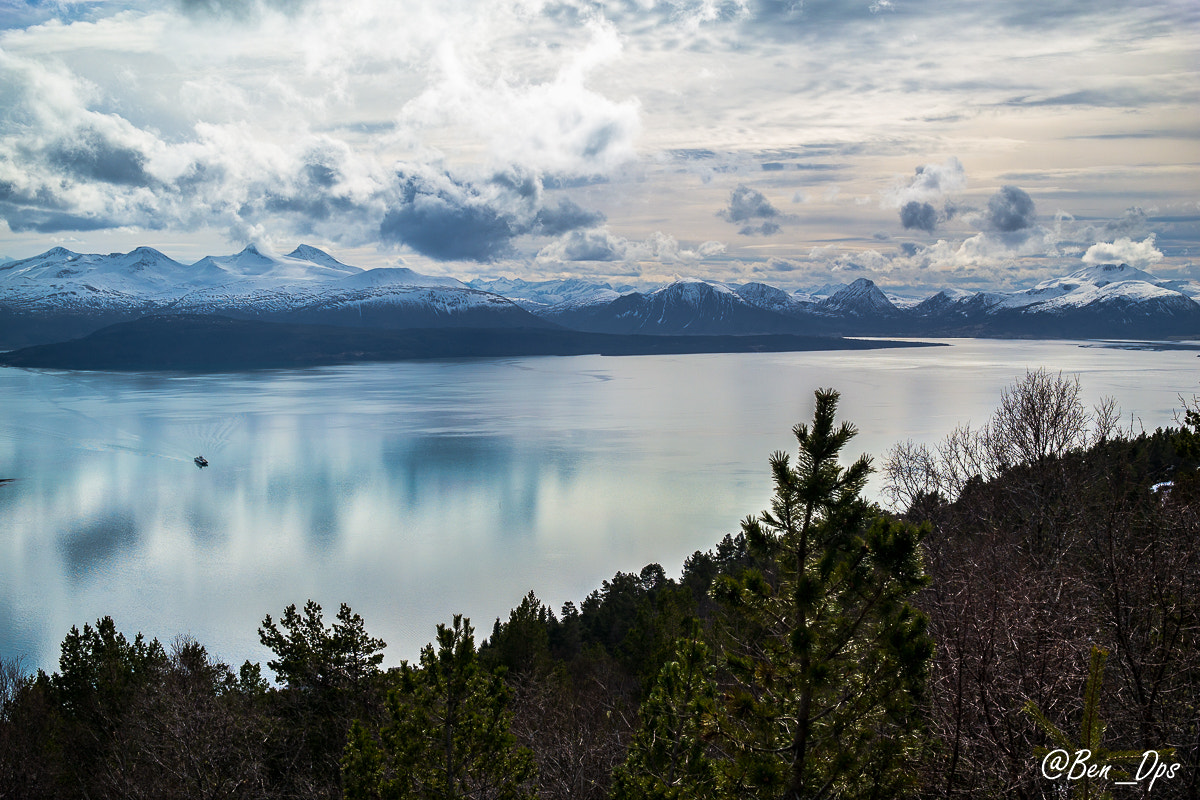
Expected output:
(64, 295)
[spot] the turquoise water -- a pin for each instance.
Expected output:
(414, 491)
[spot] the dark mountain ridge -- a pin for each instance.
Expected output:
(214, 343)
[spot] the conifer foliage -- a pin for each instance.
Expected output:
(826, 658)
(667, 758)
(447, 732)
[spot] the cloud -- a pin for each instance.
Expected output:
(1141, 255)
(89, 154)
(446, 218)
(558, 126)
(443, 218)
(586, 245)
(600, 244)
(930, 183)
(749, 205)
(240, 10)
(922, 216)
(1010, 210)
(767, 228)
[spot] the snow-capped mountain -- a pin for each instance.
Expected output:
(1095, 301)
(860, 299)
(539, 295)
(762, 295)
(1100, 300)
(60, 277)
(61, 294)
(683, 306)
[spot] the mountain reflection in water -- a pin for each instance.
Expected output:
(414, 491)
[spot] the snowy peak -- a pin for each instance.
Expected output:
(1097, 276)
(942, 301)
(143, 271)
(861, 298)
(693, 290)
(252, 267)
(52, 257)
(315, 255)
(1103, 274)
(762, 295)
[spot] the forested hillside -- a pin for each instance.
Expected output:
(1034, 587)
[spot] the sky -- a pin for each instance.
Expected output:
(923, 145)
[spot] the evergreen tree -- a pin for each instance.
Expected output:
(826, 657)
(667, 758)
(101, 674)
(447, 736)
(523, 643)
(308, 656)
(331, 677)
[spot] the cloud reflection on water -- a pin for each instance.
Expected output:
(415, 491)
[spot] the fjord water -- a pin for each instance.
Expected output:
(414, 491)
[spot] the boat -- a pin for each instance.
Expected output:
(201, 461)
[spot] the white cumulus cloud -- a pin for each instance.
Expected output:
(1124, 250)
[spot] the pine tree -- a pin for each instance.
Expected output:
(447, 734)
(826, 657)
(331, 677)
(667, 758)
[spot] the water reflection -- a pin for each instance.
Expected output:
(415, 491)
(94, 544)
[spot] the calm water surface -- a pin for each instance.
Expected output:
(414, 491)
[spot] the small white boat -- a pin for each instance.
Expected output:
(201, 461)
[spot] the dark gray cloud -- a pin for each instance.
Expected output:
(451, 222)
(89, 155)
(767, 228)
(566, 216)
(1011, 209)
(21, 219)
(751, 206)
(747, 204)
(776, 264)
(921, 216)
(445, 218)
(1134, 223)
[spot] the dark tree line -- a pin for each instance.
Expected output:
(829, 649)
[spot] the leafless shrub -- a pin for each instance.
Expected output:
(1040, 418)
